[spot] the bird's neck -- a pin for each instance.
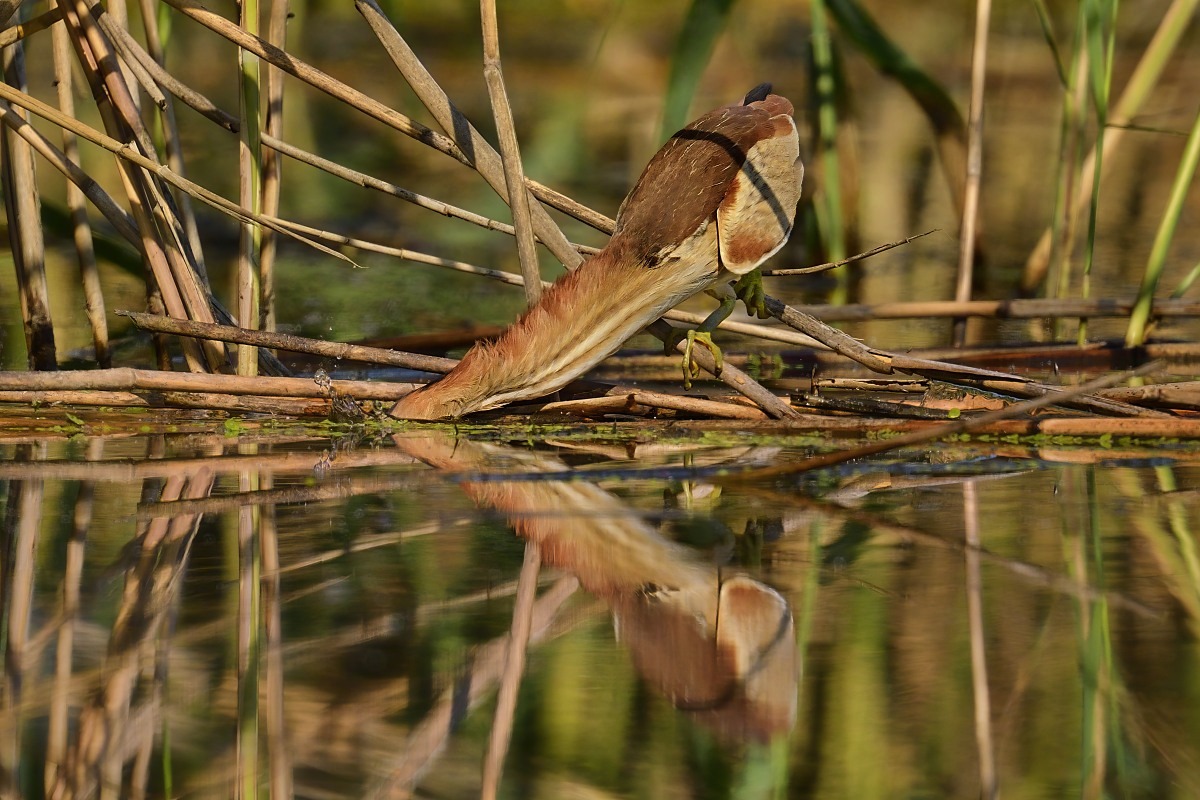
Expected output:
(580, 320)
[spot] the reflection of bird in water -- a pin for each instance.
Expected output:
(722, 648)
(716, 201)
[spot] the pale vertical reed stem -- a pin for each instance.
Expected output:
(249, 187)
(272, 169)
(22, 204)
(510, 151)
(93, 292)
(514, 670)
(970, 209)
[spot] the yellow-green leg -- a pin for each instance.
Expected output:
(702, 333)
(749, 290)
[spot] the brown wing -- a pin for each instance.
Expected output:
(691, 176)
(756, 215)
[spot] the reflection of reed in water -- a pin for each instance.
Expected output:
(722, 649)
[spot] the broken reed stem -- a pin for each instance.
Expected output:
(970, 208)
(510, 151)
(378, 355)
(81, 228)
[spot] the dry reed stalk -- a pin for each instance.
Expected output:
(130, 379)
(86, 40)
(887, 362)
(828, 265)
(296, 344)
(272, 172)
(970, 207)
(1185, 396)
(134, 74)
(510, 151)
(120, 219)
(19, 31)
(972, 424)
(242, 404)
(127, 155)
(999, 309)
(270, 137)
(249, 196)
(155, 55)
(483, 157)
(81, 229)
(314, 77)
(22, 204)
(622, 399)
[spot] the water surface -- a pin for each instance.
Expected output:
(833, 635)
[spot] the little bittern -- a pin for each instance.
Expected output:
(713, 204)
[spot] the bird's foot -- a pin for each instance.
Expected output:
(690, 368)
(749, 289)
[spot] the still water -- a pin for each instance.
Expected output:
(192, 614)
